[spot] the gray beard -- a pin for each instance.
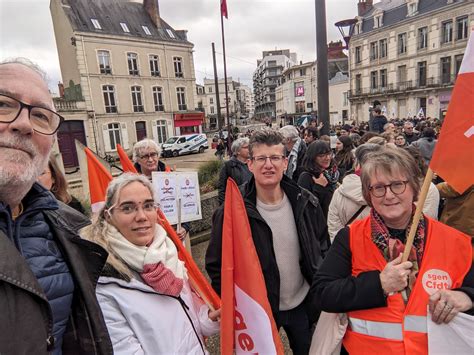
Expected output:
(14, 185)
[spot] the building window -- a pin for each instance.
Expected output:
(124, 27)
(96, 24)
(154, 65)
(115, 136)
(412, 9)
(458, 60)
(402, 43)
(446, 70)
(345, 99)
(170, 33)
(137, 99)
(358, 56)
(180, 94)
(421, 74)
(161, 134)
(146, 30)
(178, 67)
(303, 72)
(373, 80)
(358, 83)
(212, 109)
(210, 89)
(447, 31)
(423, 38)
(132, 59)
(374, 51)
(383, 48)
(211, 100)
(158, 98)
(402, 74)
(104, 62)
(140, 129)
(109, 98)
(383, 78)
(462, 27)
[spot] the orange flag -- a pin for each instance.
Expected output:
(453, 156)
(247, 324)
(196, 278)
(127, 165)
(99, 178)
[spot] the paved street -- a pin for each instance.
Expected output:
(190, 162)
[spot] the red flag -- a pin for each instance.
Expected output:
(247, 323)
(453, 156)
(99, 178)
(127, 165)
(224, 9)
(196, 278)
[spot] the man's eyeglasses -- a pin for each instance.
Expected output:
(148, 156)
(274, 159)
(43, 120)
(129, 208)
(397, 188)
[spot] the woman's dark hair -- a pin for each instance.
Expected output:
(429, 133)
(59, 187)
(367, 136)
(314, 149)
(345, 157)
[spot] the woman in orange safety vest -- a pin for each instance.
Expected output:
(364, 277)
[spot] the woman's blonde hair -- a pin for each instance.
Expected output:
(390, 161)
(96, 232)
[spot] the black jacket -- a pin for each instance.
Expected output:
(378, 123)
(312, 235)
(323, 193)
(235, 169)
(26, 319)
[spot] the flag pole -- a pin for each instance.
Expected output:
(225, 80)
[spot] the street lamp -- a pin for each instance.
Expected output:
(346, 28)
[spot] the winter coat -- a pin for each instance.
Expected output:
(426, 148)
(143, 321)
(312, 237)
(378, 123)
(458, 211)
(235, 169)
(410, 138)
(161, 166)
(347, 200)
(26, 322)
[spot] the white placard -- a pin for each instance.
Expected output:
(171, 186)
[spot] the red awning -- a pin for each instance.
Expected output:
(187, 123)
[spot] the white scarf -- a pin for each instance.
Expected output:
(162, 249)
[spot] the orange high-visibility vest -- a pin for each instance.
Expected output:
(396, 328)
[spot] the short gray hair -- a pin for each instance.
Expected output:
(238, 144)
(290, 133)
(27, 63)
(362, 152)
(144, 144)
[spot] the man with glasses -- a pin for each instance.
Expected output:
(47, 273)
(289, 232)
(410, 135)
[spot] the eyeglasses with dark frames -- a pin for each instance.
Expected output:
(397, 188)
(274, 159)
(43, 120)
(148, 156)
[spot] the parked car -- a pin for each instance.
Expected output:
(180, 145)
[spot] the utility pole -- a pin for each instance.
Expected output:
(227, 102)
(322, 66)
(216, 85)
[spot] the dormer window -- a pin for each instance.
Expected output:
(146, 30)
(378, 18)
(124, 27)
(358, 25)
(96, 24)
(412, 7)
(170, 33)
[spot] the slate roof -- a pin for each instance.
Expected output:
(396, 11)
(110, 13)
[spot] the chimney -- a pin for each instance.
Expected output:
(152, 7)
(61, 89)
(364, 6)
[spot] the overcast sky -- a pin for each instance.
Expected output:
(253, 26)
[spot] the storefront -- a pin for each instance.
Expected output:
(188, 123)
(444, 98)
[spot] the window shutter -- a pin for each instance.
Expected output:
(123, 128)
(105, 135)
(154, 131)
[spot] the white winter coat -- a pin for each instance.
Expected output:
(347, 200)
(142, 321)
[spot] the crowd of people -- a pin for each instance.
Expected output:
(329, 225)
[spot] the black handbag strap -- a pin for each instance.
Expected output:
(359, 211)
